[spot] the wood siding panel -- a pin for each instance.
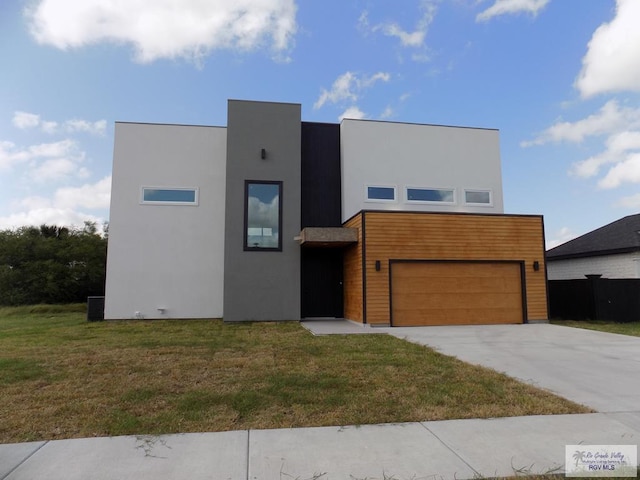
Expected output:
(434, 236)
(353, 280)
(456, 293)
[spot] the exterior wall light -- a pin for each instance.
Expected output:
(263, 154)
(377, 265)
(536, 265)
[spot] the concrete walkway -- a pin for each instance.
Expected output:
(597, 369)
(453, 449)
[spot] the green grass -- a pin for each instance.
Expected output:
(630, 328)
(64, 377)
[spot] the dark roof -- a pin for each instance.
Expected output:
(621, 236)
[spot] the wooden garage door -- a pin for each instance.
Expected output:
(455, 293)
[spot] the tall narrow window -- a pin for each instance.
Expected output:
(262, 215)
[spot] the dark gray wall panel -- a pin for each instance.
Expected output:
(262, 285)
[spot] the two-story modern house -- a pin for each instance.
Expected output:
(273, 218)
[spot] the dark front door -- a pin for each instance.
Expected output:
(321, 277)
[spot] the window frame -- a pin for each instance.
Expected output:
(430, 202)
(194, 203)
(478, 190)
(245, 236)
(380, 200)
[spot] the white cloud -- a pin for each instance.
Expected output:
(342, 89)
(369, 81)
(626, 171)
(619, 145)
(632, 202)
(621, 127)
(49, 216)
(510, 7)
(92, 196)
(387, 113)
(612, 61)
(63, 207)
(57, 169)
(348, 87)
(352, 112)
(422, 57)
(56, 149)
(171, 29)
(561, 236)
(49, 127)
(263, 214)
(609, 119)
(611, 64)
(264, 217)
(11, 155)
(95, 128)
(25, 120)
(363, 22)
(414, 38)
(46, 161)
(33, 203)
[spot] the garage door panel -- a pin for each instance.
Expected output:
(456, 293)
(467, 285)
(450, 269)
(455, 301)
(459, 317)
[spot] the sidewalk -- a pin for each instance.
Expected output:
(451, 449)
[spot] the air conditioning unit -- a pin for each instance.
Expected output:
(95, 309)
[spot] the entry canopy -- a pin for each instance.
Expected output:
(328, 237)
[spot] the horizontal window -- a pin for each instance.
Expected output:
(379, 193)
(435, 195)
(478, 197)
(170, 196)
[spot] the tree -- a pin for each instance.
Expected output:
(51, 264)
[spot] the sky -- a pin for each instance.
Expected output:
(560, 79)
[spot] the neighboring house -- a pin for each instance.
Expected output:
(273, 218)
(612, 251)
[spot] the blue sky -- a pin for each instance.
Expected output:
(560, 80)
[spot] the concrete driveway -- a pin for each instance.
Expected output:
(596, 369)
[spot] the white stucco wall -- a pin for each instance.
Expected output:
(166, 256)
(431, 156)
(624, 265)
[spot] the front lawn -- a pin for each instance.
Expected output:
(631, 328)
(64, 377)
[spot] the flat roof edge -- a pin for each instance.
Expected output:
(417, 124)
(169, 124)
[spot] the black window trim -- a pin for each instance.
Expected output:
(246, 247)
